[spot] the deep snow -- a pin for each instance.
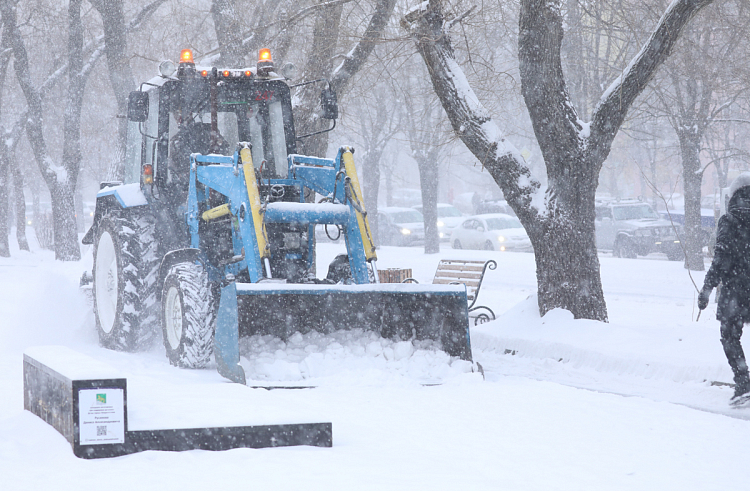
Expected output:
(566, 404)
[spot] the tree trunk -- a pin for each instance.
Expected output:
(227, 27)
(692, 177)
(319, 65)
(428, 181)
(20, 205)
(567, 263)
(4, 199)
(371, 185)
(118, 67)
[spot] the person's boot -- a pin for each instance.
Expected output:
(741, 389)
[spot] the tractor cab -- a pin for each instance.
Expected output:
(203, 110)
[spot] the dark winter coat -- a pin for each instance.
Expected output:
(731, 264)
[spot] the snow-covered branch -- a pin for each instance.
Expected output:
(469, 118)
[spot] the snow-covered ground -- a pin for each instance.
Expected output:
(564, 404)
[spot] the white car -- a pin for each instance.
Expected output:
(492, 232)
(449, 217)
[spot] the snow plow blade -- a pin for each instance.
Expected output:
(395, 311)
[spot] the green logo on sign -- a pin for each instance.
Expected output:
(101, 398)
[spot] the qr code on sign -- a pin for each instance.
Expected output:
(101, 431)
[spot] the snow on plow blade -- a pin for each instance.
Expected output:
(395, 311)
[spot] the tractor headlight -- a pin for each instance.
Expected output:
(405, 231)
(500, 238)
(440, 224)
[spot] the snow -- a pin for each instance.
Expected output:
(61, 174)
(127, 194)
(564, 404)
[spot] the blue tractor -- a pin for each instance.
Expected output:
(211, 235)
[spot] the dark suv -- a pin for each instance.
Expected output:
(630, 228)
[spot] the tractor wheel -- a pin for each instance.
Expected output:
(488, 246)
(188, 316)
(125, 269)
(457, 244)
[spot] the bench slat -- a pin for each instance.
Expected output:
(460, 267)
(448, 281)
(458, 274)
(461, 261)
(445, 281)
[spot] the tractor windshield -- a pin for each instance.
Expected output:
(256, 112)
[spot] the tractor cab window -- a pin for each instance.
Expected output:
(257, 113)
(265, 125)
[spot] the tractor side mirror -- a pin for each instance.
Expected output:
(138, 106)
(329, 103)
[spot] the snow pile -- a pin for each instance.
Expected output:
(687, 354)
(346, 357)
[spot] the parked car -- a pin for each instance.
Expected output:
(492, 232)
(449, 217)
(494, 206)
(631, 228)
(400, 226)
(708, 222)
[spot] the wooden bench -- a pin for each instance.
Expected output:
(469, 273)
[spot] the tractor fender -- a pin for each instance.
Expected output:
(172, 258)
(113, 196)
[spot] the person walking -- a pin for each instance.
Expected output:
(731, 269)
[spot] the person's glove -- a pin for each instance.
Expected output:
(703, 297)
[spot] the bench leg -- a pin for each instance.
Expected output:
(482, 317)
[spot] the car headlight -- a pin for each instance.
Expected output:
(441, 234)
(500, 238)
(440, 224)
(405, 231)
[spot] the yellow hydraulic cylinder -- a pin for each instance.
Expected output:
(217, 212)
(364, 224)
(254, 196)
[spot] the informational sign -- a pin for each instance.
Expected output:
(101, 415)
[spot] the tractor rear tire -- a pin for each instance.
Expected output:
(188, 314)
(125, 269)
